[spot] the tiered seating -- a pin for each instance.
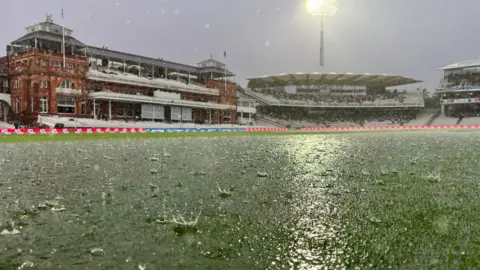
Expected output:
(378, 123)
(6, 125)
(422, 119)
(357, 101)
(265, 98)
(471, 121)
(443, 120)
(157, 82)
(83, 122)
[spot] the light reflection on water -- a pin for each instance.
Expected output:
(317, 233)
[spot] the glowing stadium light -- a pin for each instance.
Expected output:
(322, 8)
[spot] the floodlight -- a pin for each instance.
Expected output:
(322, 8)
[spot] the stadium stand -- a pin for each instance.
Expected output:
(459, 92)
(338, 100)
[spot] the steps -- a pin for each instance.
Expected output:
(433, 118)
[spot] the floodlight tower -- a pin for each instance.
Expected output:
(322, 8)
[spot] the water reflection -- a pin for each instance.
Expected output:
(317, 233)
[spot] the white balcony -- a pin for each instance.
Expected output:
(110, 96)
(246, 109)
(68, 91)
(5, 98)
(148, 82)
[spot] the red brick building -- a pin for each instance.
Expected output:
(53, 74)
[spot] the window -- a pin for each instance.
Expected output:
(43, 105)
(16, 84)
(17, 105)
(65, 104)
(84, 107)
(64, 84)
(123, 109)
(43, 63)
(43, 84)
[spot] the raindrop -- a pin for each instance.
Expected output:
(26, 265)
(207, 25)
(97, 252)
(267, 43)
(262, 174)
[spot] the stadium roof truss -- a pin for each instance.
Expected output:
(329, 79)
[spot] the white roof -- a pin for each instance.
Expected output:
(464, 64)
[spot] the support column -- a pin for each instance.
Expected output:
(218, 116)
(166, 73)
(209, 116)
(241, 118)
(5, 112)
(178, 75)
(442, 109)
(188, 77)
(94, 110)
(249, 117)
(109, 110)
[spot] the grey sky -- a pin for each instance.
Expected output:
(268, 37)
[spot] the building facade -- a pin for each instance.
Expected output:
(5, 98)
(50, 73)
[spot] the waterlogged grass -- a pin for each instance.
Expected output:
(13, 138)
(122, 136)
(386, 200)
(17, 138)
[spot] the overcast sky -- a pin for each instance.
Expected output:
(267, 37)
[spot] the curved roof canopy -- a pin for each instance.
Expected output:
(464, 64)
(329, 79)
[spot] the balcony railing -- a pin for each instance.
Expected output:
(155, 100)
(153, 83)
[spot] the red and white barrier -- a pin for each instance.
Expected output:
(141, 130)
(67, 130)
(266, 129)
(389, 128)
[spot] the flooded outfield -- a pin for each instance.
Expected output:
(366, 201)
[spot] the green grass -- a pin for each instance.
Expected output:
(14, 138)
(18, 138)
